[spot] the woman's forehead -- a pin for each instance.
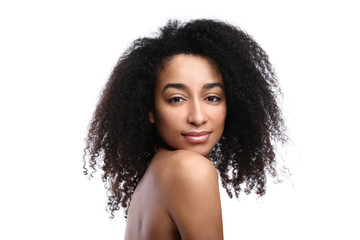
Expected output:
(189, 70)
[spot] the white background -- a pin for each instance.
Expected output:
(55, 57)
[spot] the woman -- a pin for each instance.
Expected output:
(199, 91)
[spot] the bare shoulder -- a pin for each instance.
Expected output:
(191, 194)
(182, 168)
(190, 164)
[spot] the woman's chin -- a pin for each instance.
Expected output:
(200, 151)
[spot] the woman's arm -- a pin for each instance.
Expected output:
(192, 197)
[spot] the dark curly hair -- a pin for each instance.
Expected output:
(121, 140)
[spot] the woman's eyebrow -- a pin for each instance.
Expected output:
(174, 85)
(212, 85)
(183, 86)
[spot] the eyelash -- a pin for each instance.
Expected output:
(213, 98)
(176, 100)
(180, 99)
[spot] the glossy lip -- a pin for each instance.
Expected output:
(197, 137)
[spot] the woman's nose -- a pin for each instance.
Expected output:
(197, 115)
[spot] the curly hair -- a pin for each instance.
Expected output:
(121, 140)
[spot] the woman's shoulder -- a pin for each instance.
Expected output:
(181, 165)
(185, 171)
(185, 158)
(189, 191)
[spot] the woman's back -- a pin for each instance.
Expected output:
(178, 198)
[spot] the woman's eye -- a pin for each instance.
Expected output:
(212, 98)
(176, 100)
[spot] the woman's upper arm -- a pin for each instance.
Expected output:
(193, 199)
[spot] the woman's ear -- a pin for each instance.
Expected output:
(151, 117)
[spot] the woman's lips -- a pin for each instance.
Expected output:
(197, 137)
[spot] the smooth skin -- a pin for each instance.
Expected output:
(178, 196)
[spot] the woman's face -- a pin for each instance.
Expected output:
(190, 104)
